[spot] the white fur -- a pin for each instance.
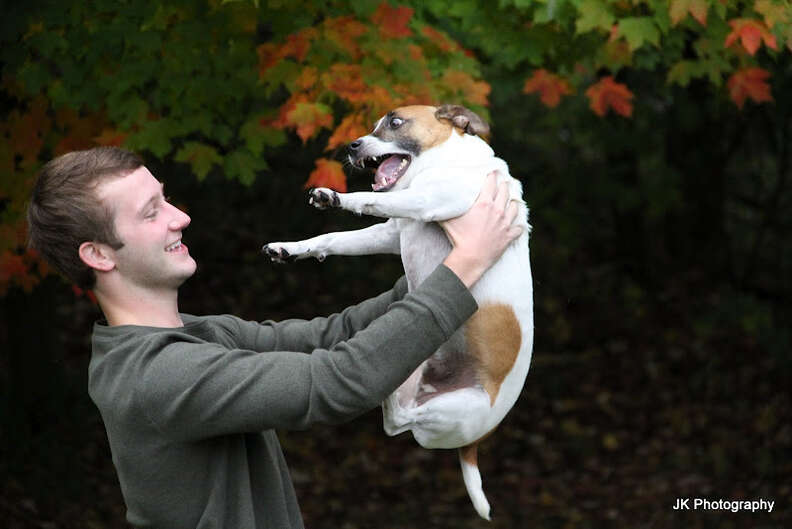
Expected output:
(441, 183)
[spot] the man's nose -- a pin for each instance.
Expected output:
(180, 219)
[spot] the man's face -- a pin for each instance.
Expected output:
(150, 228)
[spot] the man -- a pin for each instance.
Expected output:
(191, 404)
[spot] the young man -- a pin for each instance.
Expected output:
(191, 404)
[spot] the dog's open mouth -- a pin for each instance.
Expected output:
(389, 168)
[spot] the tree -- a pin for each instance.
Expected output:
(221, 85)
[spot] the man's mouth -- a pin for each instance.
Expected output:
(389, 168)
(174, 247)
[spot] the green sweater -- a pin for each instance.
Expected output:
(190, 412)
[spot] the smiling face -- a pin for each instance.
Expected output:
(153, 256)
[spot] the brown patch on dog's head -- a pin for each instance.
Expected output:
(413, 128)
(463, 119)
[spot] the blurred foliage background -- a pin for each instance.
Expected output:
(653, 142)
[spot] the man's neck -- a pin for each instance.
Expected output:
(150, 308)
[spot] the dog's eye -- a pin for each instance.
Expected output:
(395, 122)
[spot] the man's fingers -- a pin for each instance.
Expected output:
(490, 188)
(502, 195)
(511, 211)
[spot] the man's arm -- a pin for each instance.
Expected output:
(317, 333)
(197, 390)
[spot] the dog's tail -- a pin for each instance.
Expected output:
(468, 460)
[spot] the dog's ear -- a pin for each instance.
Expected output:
(466, 120)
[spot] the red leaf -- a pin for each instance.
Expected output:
(308, 118)
(346, 80)
(439, 39)
(350, 129)
(476, 92)
(112, 137)
(751, 33)
(549, 86)
(608, 94)
(749, 83)
(12, 266)
(393, 21)
(328, 173)
(345, 31)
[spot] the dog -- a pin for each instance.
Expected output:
(431, 163)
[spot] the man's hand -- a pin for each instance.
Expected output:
(480, 236)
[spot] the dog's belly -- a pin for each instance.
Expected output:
(423, 247)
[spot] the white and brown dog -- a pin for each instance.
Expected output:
(432, 163)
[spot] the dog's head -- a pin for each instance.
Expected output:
(404, 134)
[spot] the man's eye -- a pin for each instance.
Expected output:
(395, 123)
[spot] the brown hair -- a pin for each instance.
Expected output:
(65, 212)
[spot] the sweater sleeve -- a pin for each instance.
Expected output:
(305, 336)
(192, 391)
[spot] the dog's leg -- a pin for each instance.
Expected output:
(379, 238)
(437, 201)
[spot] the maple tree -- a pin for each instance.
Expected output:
(220, 85)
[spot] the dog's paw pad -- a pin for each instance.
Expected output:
(277, 254)
(323, 198)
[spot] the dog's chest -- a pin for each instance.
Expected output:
(424, 245)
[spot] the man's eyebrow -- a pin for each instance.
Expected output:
(153, 199)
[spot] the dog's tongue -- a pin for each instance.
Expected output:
(388, 172)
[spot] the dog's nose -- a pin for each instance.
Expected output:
(355, 145)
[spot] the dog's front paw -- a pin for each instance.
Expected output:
(277, 253)
(323, 198)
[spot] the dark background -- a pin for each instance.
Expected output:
(662, 265)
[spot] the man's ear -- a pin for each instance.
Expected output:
(97, 256)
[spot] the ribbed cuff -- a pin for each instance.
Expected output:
(449, 298)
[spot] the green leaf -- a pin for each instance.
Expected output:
(154, 136)
(682, 72)
(638, 30)
(200, 156)
(243, 166)
(594, 14)
(257, 136)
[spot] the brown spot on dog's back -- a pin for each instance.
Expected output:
(493, 336)
(424, 127)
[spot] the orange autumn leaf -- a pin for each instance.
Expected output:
(110, 137)
(679, 9)
(443, 42)
(27, 130)
(549, 86)
(608, 94)
(298, 44)
(269, 56)
(751, 33)
(380, 101)
(393, 21)
(308, 118)
(282, 121)
(345, 32)
(328, 173)
(346, 80)
(749, 83)
(476, 92)
(350, 129)
(307, 78)
(12, 265)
